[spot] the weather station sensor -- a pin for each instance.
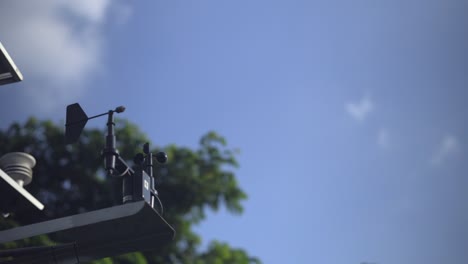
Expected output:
(9, 73)
(135, 225)
(16, 172)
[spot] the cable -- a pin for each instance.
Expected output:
(160, 204)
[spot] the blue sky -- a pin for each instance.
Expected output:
(350, 117)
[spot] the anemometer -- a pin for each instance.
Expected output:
(136, 184)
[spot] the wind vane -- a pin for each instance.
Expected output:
(77, 119)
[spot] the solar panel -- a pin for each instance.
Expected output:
(13, 195)
(9, 73)
(93, 235)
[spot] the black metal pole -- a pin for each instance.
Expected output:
(110, 152)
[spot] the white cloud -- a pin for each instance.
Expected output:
(92, 10)
(56, 44)
(360, 110)
(448, 146)
(383, 138)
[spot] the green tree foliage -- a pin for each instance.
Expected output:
(70, 180)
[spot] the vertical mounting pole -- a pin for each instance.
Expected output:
(148, 159)
(110, 151)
